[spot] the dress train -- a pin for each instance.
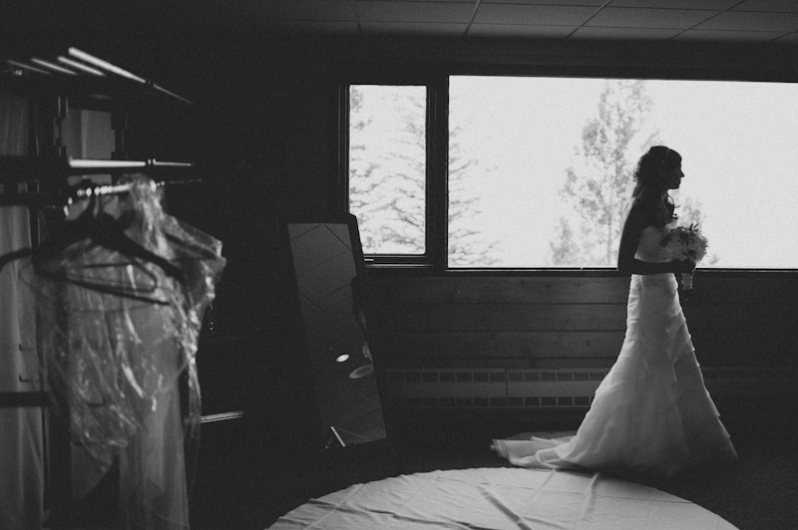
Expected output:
(652, 412)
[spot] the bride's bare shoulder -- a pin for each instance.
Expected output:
(637, 217)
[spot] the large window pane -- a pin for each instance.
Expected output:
(387, 167)
(541, 168)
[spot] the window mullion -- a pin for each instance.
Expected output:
(437, 172)
(340, 153)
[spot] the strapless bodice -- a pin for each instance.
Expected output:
(650, 246)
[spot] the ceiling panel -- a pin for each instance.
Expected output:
(645, 20)
(336, 27)
(413, 28)
(712, 5)
(623, 17)
(327, 10)
(753, 21)
(653, 20)
(520, 31)
(776, 6)
(728, 36)
(589, 32)
(536, 15)
(413, 11)
(565, 3)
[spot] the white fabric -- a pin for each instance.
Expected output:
(650, 248)
(21, 449)
(499, 499)
(652, 412)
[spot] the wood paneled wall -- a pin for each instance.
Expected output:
(263, 139)
(508, 329)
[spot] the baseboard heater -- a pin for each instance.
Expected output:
(562, 388)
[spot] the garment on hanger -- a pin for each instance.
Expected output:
(22, 461)
(118, 330)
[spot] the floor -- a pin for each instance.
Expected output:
(245, 481)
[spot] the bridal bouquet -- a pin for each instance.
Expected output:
(685, 242)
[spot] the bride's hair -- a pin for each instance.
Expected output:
(650, 190)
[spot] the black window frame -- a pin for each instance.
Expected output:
(436, 79)
(436, 188)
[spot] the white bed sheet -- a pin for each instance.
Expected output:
(501, 499)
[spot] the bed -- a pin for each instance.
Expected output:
(501, 498)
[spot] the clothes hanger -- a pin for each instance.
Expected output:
(102, 229)
(99, 229)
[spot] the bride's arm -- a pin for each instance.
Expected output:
(636, 220)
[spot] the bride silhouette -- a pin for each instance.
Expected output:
(652, 413)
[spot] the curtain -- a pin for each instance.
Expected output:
(21, 432)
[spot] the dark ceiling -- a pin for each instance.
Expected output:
(134, 31)
(649, 20)
(657, 20)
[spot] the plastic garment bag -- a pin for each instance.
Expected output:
(118, 333)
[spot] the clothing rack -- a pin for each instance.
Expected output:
(40, 180)
(80, 74)
(21, 182)
(30, 196)
(80, 80)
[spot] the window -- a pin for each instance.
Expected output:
(387, 167)
(537, 170)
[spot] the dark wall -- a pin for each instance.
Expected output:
(261, 128)
(261, 132)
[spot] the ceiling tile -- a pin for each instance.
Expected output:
(676, 4)
(309, 10)
(624, 33)
(623, 17)
(415, 28)
(320, 26)
(591, 3)
(783, 6)
(534, 15)
(520, 30)
(752, 21)
(552, 19)
(434, 12)
(736, 36)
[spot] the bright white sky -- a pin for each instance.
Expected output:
(737, 141)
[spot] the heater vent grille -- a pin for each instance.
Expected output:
(515, 389)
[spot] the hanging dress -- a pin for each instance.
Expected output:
(22, 459)
(652, 413)
(117, 335)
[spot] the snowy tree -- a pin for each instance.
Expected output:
(387, 179)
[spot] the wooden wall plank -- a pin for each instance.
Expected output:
(508, 344)
(716, 347)
(710, 288)
(410, 316)
(536, 321)
(748, 317)
(502, 290)
(510, 317)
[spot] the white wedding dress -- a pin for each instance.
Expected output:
(651, 413)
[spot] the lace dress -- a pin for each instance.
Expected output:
(651, 413)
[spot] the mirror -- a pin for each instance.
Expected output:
(329, 268)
